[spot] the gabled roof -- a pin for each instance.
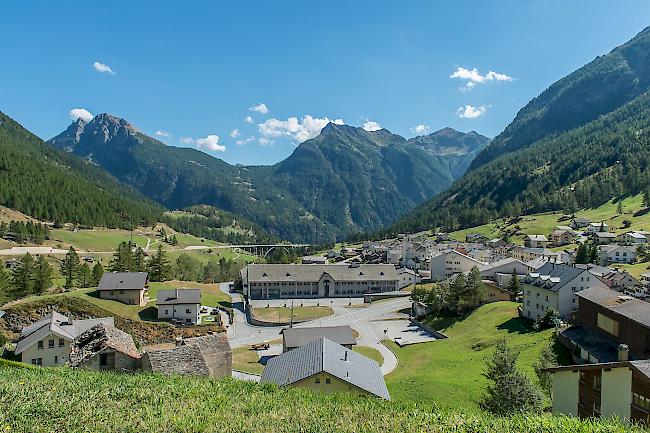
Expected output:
(642, 366)
(627, 306)
(553, 276)
(538, 238)
(57, 324)
(123, 281)
(98, 338)
(178, 296)
(296, 337)
(324, 355)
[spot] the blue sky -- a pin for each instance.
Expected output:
(194, 71)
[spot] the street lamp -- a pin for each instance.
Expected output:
(385, 334)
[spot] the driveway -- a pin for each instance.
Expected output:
(360, 318)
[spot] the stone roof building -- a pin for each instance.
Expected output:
(208, 355)
(104, 347)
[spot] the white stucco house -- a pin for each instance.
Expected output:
(180, 304)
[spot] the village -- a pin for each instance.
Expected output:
(359, 297)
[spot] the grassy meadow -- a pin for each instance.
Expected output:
(64, 400)
(448, 373)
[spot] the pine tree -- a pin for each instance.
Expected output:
(139, 260)
(510, 391)
(122, 258)
(22, 278)
(159, 269)
(513, 285)
(42, 275)
(84, 277)
(70, 268)
(5, 280)
(582, 256)
(619, 208)
(475, 290)
(98, 272)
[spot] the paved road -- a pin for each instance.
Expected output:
(361, 319)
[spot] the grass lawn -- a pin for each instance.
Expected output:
(448, 373)
(246, 360)
(96, 240)
(282, 314)
(369, 352)
(635, 270)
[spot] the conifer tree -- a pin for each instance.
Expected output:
(42, 275)
(84, 277)
(22, 278)
(98, 272)
(70, 268)
(139, 260)
(513, 285)
(159, 269)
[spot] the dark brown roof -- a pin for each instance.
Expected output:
(627, 306)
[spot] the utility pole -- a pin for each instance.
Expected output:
(291, 316)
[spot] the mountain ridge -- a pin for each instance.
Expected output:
(345, 180)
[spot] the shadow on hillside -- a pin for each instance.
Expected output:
(641, 212)
(149, 314)
(94, 294)
(518, 325)
(443, 321)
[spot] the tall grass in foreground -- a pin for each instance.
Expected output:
(64, 400)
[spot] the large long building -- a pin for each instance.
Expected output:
(317, 281)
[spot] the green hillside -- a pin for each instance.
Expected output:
(52, 185)
(48, 400)
(549, 159)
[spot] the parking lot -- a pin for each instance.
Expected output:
(403, 332)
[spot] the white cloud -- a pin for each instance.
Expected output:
(474, 77)
(162, 134)
(263, 141)
(260, 108)
(421, 129)
(248, 119)
(245, 141)
(235, 133)
(299, 130)
(471, 112)
(186, 141)
(371, 125)
(211, 143)
(81, 113)
(102, 67)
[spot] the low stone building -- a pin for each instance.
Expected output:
(208, 355)
(104, 347)
(126, 287)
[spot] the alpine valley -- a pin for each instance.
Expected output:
(344, 181)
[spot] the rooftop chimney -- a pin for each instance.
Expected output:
(623, 352)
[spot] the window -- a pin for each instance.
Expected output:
(187, 311)
(56, 359)
(61, 342)
(328, 380)
(607, 324)
(318, 380)
(40, 345)
(166, 311)
(50, 344)
(103, 359)
(37, 361)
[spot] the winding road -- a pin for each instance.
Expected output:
(241, 333)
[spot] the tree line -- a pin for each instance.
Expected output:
(25, 232)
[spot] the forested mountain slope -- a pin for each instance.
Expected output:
(570, 166)
(343, 181)
(52, 185)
